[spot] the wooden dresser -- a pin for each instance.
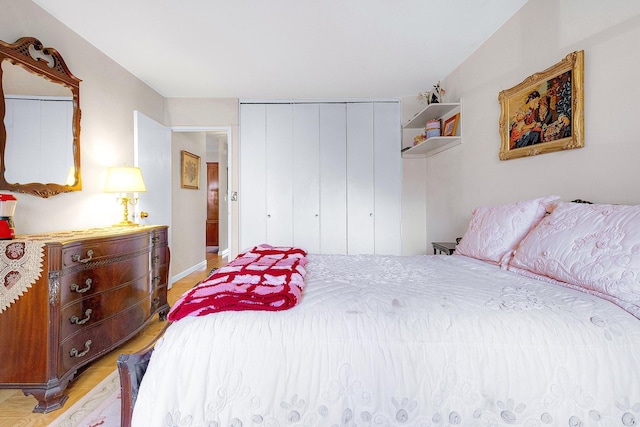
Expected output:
(97, 289)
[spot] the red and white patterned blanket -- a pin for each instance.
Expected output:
(262, 278)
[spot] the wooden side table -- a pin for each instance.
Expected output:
(447, 248)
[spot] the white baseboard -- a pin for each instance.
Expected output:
(186, 272)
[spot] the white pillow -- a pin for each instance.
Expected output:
(592, 247)
(495, 231)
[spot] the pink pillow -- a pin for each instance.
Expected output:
(592, 247)
(495, 231)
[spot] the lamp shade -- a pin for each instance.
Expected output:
(124, 179)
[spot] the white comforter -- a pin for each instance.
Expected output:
(411, 341)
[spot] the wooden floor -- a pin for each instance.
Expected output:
(16, 408)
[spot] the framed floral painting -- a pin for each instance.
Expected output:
(189, 170)
(545, 112)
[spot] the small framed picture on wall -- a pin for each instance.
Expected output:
(189, 170)
(451, 125)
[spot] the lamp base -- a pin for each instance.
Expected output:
(125, 214)
(125, 224)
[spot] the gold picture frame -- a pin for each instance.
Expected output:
(189, 170)
(544, 113)
(451, 125)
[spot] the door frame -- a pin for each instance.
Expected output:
(224, 252)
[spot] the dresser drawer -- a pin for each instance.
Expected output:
(159, 276)
(159, 238)
(85, 313)
(159, 256)
(93, 252)
(87, 282)
(159, 296)
(96, 340)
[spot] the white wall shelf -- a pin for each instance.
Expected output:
(430, 112)
(433, 145)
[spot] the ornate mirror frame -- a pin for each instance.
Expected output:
(50, 66)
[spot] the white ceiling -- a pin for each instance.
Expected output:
(286, 49)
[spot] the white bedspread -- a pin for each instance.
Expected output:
(402, 341)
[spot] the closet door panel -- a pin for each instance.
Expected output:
(388, 178)
(322, 176)
(252, 171)
(306, 177)
(333, 178)
(360, 203)
(279, 174)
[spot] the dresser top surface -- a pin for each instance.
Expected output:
(90, 233)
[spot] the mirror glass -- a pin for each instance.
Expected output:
(38, 119)
(40, 145)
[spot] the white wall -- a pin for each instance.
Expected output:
(189, 206)
(541, 34)
(108, 95)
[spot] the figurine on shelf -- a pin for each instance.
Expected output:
(425, 97)
(437, 94)
(434, 96)
(418, 139)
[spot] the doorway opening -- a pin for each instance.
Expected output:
(218, 225)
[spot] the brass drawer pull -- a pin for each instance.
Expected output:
(74, 319)
(155, 303)
(75, 288)
(155, 259)
(155, 239)
(74, 351)
(155, 281)
(76, 257)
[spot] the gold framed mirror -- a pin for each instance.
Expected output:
(39, 120)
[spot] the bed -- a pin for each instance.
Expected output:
(534, 321)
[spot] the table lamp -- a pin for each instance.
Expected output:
(125, 182)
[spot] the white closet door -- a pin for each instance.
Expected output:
(251, 199)
(388, 178)
(325, 176)
(279, 176)
(360, 191)
(333, 178)
(306, 177)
